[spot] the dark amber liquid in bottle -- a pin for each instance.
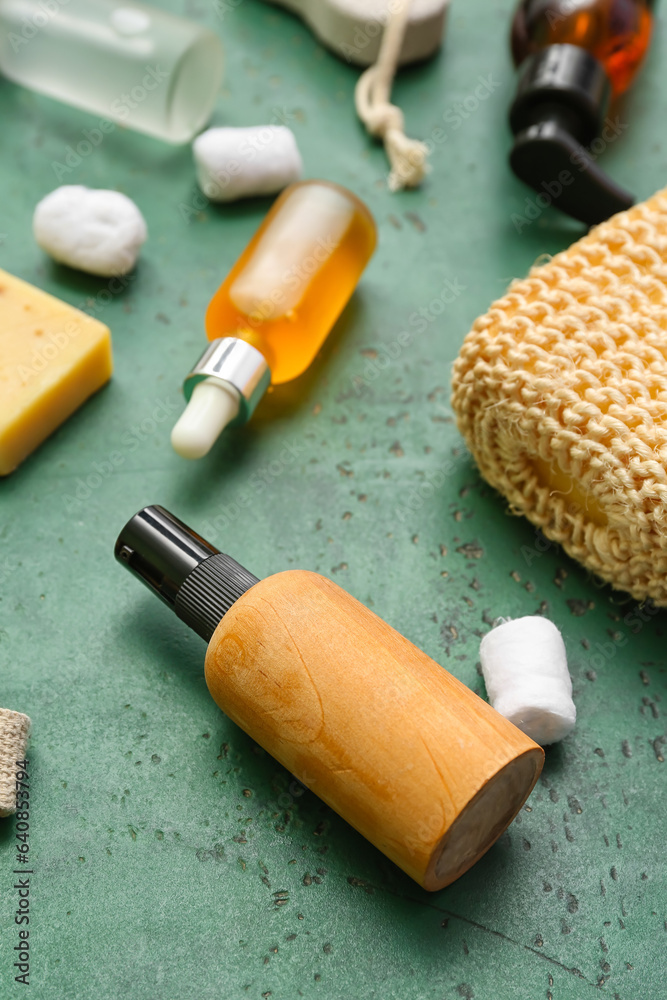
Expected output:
(616, 32)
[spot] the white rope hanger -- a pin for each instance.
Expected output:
(383, 119)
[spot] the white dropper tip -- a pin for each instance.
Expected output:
(213, 405)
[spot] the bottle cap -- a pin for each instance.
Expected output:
(197, 581)
(222, 390)
(558, 111)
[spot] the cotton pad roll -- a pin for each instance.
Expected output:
(527, 680)
(241, 162)
(97, 231)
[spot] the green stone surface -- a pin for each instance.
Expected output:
(172, 857)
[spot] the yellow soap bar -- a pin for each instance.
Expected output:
(52, 358)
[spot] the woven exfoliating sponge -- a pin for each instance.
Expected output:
(14, 732)
(560, 392)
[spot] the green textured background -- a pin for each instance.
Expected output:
(172, 858)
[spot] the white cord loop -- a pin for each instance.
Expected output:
(383, 119)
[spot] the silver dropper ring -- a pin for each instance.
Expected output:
(231, 360)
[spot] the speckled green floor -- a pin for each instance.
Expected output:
(173, 859)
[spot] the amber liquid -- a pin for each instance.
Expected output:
(616, 32)
(294, 278)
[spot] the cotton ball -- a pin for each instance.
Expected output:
(527, 680)
(241, 162)
(100, 232)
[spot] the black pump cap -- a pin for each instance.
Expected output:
(186, 572)
(559, 108)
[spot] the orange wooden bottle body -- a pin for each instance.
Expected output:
(402, 750)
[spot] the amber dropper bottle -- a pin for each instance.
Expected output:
(275, 308)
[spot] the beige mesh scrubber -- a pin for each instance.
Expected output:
(560, 391)
(14, 732)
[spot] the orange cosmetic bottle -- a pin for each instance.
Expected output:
(275, 308)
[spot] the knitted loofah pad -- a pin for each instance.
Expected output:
(14, 731)
(560, 391)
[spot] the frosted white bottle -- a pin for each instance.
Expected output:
(128, 63)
